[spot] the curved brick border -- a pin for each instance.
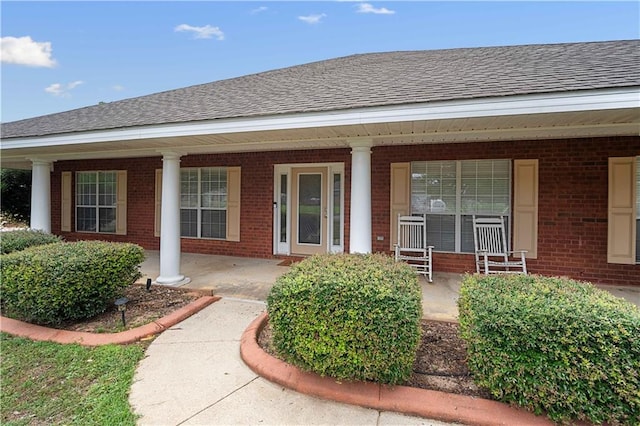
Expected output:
(37, 332)
(407, 400)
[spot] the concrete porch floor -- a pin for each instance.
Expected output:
(252, 279)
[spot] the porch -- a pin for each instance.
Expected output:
(252, 279)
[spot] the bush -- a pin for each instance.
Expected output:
(66, 281)
(553, 345)
(15, 193)
(21, 239)
(351, 317)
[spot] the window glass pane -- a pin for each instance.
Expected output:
(638, 210)
(188, 223)
(283, 208)
(485, 186)
(107, 220)
(107, 188)
(86, 189)
(95, 190)
(86, 219)
(481, 186)
(189, 188)
(337, 209)
(433, 187)
(441, 232)
(213, 188)
(214, 224)
(309, 214)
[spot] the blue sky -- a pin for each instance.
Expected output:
(58, 56)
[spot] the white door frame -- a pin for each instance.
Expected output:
(282, 228)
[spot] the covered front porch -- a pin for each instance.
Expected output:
(252, 279)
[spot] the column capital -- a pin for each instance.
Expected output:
(40, 162)
(360, 143)
(171, 155)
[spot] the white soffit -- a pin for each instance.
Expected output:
(485, 107)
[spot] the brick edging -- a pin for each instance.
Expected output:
(407, 400)
(37, 332)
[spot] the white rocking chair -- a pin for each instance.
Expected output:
(492, 256)
(411, 246)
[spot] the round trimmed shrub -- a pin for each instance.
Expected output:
(11, 241)
(348, 316)
(553, 345)
(66, 281)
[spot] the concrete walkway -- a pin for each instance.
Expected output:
(193, 375)
(248, 278)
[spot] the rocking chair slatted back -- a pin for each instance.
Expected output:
(491, 251)
(412, 245)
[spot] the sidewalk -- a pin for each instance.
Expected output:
(193, 375)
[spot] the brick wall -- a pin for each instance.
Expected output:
(572, 210)
(572, 227)
(256, 214)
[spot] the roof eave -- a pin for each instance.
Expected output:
(574, 101)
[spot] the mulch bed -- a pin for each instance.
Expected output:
(440, 362)
(142, 308)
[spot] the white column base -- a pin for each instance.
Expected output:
(176, 281)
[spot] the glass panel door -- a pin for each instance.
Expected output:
(309, 215)
(309, 208)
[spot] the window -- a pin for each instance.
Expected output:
(449, 193)
(96, 201)
(203, 202)
(638, 210)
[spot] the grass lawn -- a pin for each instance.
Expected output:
(49, 383)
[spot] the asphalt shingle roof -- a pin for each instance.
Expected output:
(364, 80)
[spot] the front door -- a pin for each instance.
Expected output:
(309, 210)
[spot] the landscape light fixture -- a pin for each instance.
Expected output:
(121, 304)
(148, 284)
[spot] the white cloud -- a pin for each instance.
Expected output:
(117, 87)
(368, 8)
(201, 32)
(259, 9)
(25, 51)
(61, 90)
(312, 19)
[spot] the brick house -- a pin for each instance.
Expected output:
(322, 157)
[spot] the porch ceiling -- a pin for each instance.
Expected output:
(593, 123)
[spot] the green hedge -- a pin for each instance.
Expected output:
(351, 317)
(66, 281)
(21, 239)
(553, 345)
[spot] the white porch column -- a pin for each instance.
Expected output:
(360, 222)
(170, 222)
(41, 195)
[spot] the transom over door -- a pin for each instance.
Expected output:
(309, 210)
